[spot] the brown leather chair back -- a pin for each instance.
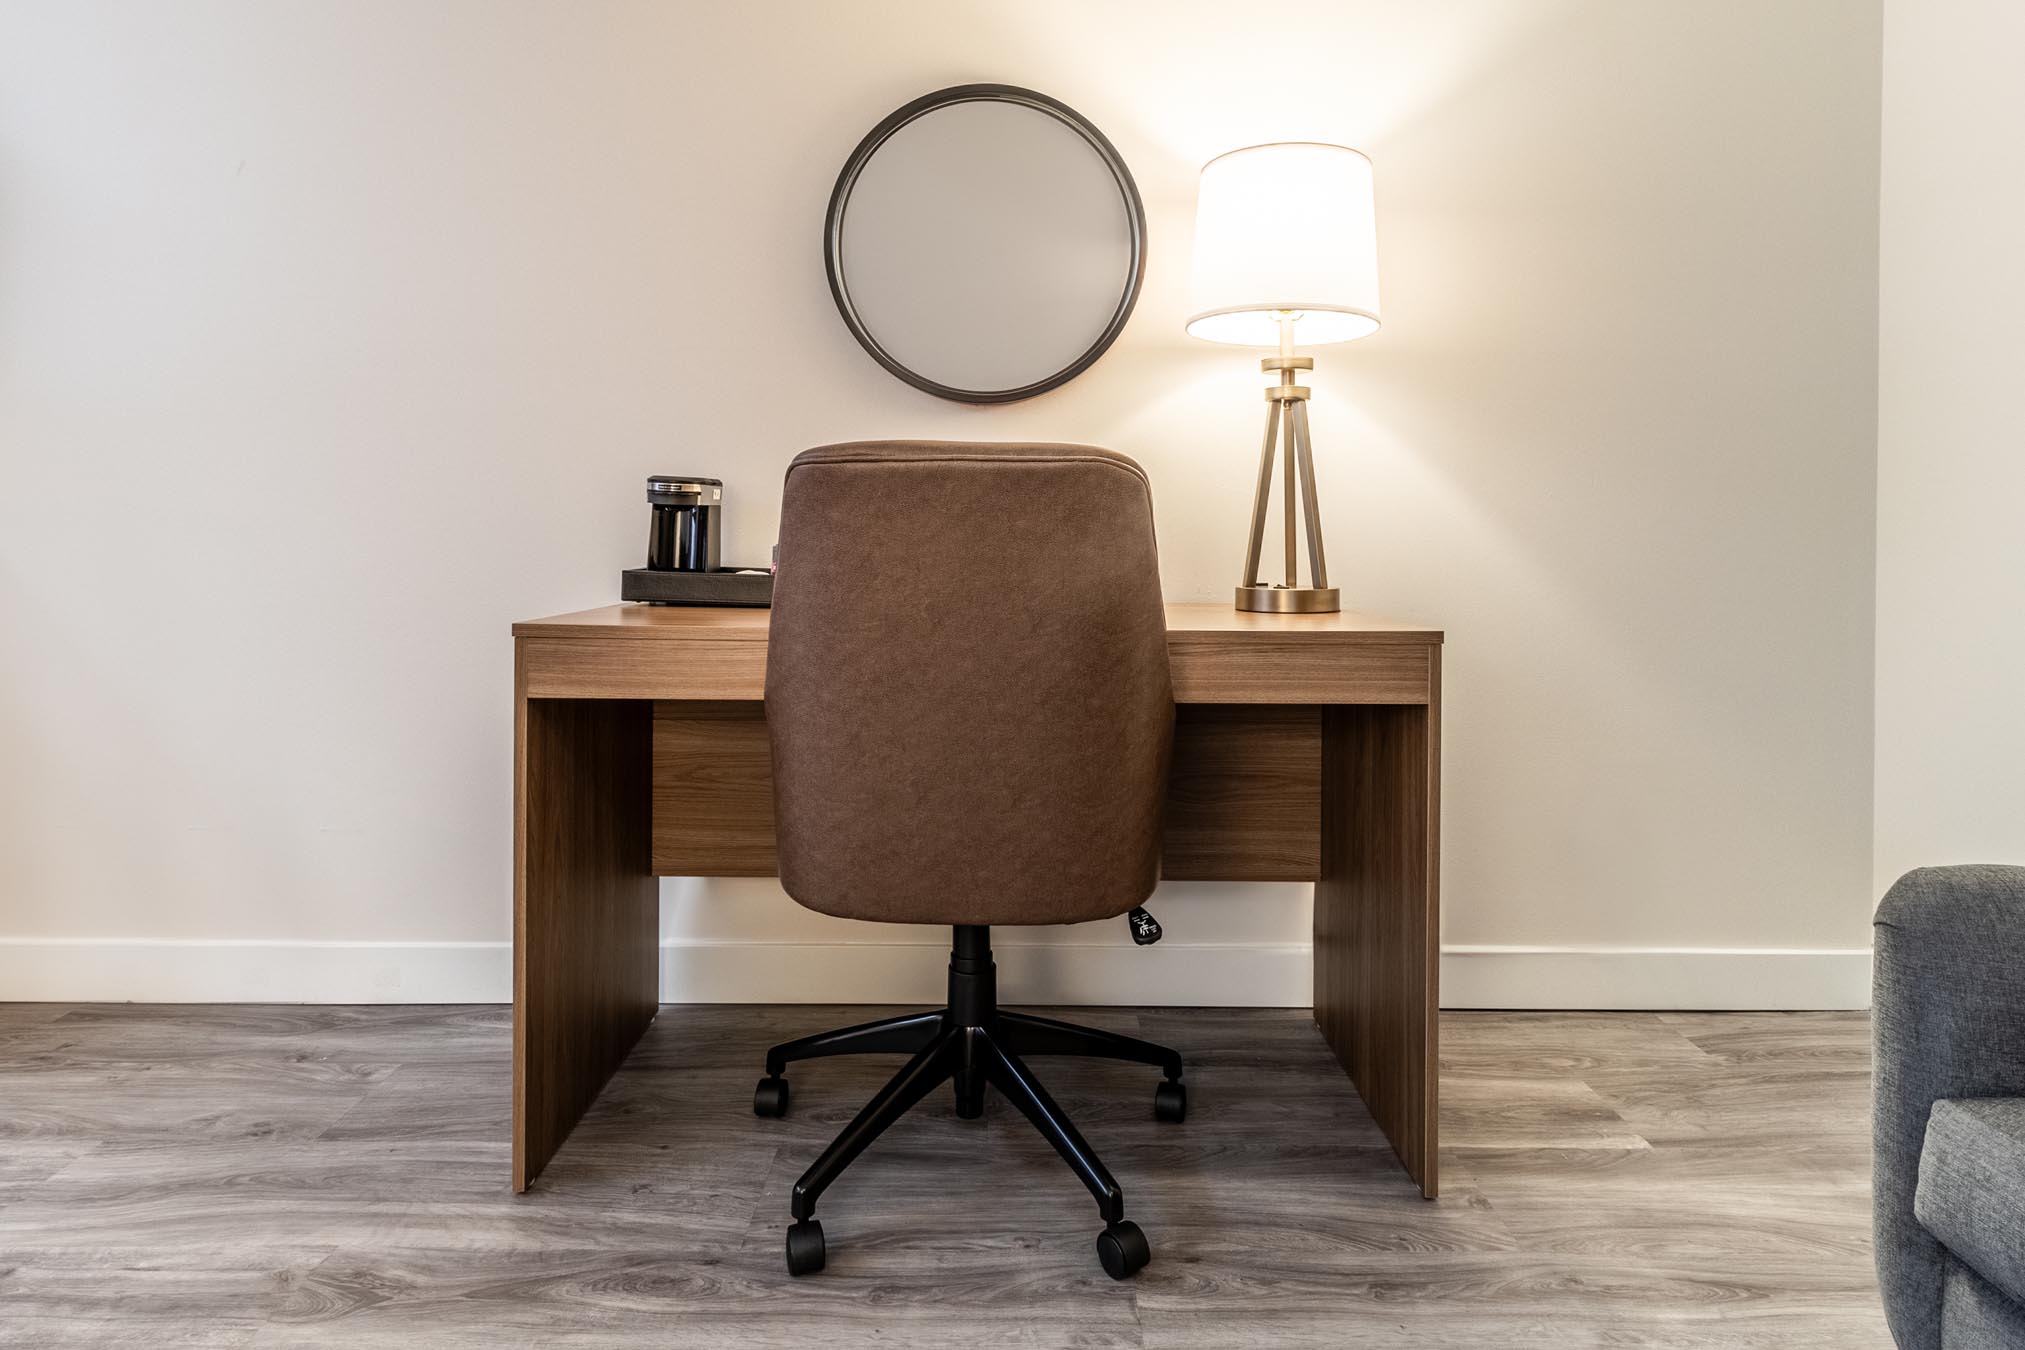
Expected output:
(966, 683)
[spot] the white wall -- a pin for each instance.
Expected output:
(1951, 439)
(336, 336)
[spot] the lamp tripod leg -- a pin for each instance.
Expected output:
(1287, 490)
(1318, 566)
(1265, 486)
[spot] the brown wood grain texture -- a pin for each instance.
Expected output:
(1307, 747)
(1377, 918)
(650, 652)
(586, 911)
(1244, 793)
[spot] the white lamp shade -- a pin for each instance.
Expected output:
(1285, 227)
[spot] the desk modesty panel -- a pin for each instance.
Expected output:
(1307, 748)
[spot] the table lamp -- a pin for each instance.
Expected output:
(1286, 253)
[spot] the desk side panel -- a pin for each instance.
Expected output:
(1377, 919)
(586, 911)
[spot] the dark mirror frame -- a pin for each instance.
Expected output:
(840, 197)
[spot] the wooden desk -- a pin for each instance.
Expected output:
(1307, 748)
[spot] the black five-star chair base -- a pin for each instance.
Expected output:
(970, 1043)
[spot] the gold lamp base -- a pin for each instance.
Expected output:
(1287, 431)
(1289, 599)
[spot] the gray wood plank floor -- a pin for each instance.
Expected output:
(337, 1177)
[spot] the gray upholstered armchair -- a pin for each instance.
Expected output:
(1950, 1107)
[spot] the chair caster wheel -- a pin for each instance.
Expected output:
(1170, 1103)
(1123, 1250)
(805, 1247)
(770, 1098)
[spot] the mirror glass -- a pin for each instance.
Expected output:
(985, 243)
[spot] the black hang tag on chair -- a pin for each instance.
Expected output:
(1145, 928)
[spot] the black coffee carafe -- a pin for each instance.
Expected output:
(683, 536)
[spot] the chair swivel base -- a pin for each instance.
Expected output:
(971, 1044)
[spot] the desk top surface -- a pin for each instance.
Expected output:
(750, 625)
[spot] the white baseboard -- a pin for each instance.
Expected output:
(1677, 978)
(112, 970)
(252, 970)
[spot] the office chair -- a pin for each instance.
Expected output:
(968, 700)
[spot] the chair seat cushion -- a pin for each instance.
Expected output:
(1972, 1186)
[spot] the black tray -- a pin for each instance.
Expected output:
(725, 586)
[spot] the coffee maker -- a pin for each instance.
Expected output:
(685, 528)
(684, 537)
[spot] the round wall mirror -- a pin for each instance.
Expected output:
(985, 243)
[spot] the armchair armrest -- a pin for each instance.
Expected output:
(1948, 1019)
